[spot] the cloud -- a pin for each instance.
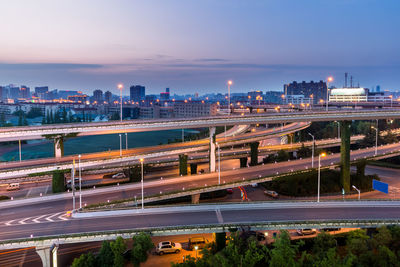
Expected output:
(48, 66)
(211, 60)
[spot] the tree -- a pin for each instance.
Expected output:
(64, 115)
(20, 119)
(283, 254)
(322, 243)
(303, 152)
(141, 246)
(183, 164)
(85, 260)
(382, 238)
(58, 182)
(118, 247)
(332, 259)
(220, 240)
(106, 255)
(282, 155)
(357, 242)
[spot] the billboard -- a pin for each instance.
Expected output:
(380, 186)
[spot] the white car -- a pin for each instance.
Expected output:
(168, 247)
(118, 175)
(271, 193)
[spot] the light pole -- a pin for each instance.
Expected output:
(20, 156)
(196, 248)
(219, 163)
(229, 96)
(120, 145)
(330, 79)
(391, 101)
(376, 140)
(80, 182)
(73, 184)
(141, 163)
(312, 153)
(126, 141)
(359, 192)
(319, 173)
(338, 129)
(120, 87)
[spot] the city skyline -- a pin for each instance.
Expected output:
(259, 45)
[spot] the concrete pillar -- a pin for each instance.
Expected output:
(345, 155)
(284, 140)
(58, 147)
(44, 254)
(196, 199)
(212, 149)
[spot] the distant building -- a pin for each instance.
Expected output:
(41, 91)
(137, 93)
(14, 92)
(108, 97)
(64, 94)
(25, 92)
(315, 90)
(359, 94)
(98, 96)
(80, 98)
(1, 93)
(191, 109)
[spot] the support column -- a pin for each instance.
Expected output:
(58, 147)
(44, 254)
(284, 140)
(212, 149)
(196, 199)
(345, 155)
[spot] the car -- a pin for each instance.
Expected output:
(331, 229)
(201, 171)
(197, 242)
(168, 247)
(271, 193)
(76, 179)
(254, 185)
(13, 186)
(306, 231)
(118, 175)
(229, 190)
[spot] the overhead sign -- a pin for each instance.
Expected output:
(380, 186)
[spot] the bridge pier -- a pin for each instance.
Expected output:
(58, 147)
(196, 199)
(345, 155)
(46, 253)
(212, 155)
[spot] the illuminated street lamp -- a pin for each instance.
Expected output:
(80, 182)
(319, 173)
(229, 96)
(313, 147)
(126, 141)
(196, 248)
(359, 192)
(376, 139)
(330, 79)
(141, 163)
(219, 163)
(120, 145)
(391, 101)
(120, 87)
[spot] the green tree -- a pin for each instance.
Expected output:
(20, 119)
(118, 247)
(386, 258)
(105, 257)
(64, 115)
(183, 164)
(85, 260)
(282, 155)
(141, 246)
(332, 259)
(283, 253)
(382, 238)
(322, 243)
(357, 242)
(303, 152)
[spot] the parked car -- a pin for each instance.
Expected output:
(199, 242)
(118, 175)
(306, 231)
(76, 179)
(13, 186)
(331, 229)
(168, 247)
(254, 185)
(201, 171)
(271, 193)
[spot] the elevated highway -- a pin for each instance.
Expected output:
(82, 129)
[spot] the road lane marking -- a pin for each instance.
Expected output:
(23, 221)
(49, 218)
(9, 222)
(219, 216)
(47, 188)
(61, 217)
(29, 192)
(38, 218)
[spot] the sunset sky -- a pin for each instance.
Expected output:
(196, 46)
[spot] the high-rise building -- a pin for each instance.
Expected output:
(98, 96)
(314, 90)
(14, 92)
(137, 93)
(25, 92)
(1, 93)
(108, 97)
(41, 91)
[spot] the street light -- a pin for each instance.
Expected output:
(80, 182)
(376, 139)
(196, 248)
(126, 140)
(120, 87)
(359, 192)
(229, 96)
(120, 145)
(312, 153)
(141, 163)
(330, 79)
(219, 163)
(391, 101)
(319, 172)
(19, 145)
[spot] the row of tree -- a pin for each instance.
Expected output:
(114, 253)
(353, 249)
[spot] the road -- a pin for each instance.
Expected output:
(48, 210)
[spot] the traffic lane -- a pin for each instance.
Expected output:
(135, 221)
(26, 257)
(183, 182)
(139, 221)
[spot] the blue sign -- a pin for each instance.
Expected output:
(380, 186)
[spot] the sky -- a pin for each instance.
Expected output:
(197, 46)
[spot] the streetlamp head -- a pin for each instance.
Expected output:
(142, 159)
(354, 187)
(323, 154)
(120, 86)
(196, 247)
(330, 79)
(230, 82)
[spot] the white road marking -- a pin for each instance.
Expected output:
(47, 188)
(49, 218)
(29, 192)
(38, 218)
(23, 221)
(219, 216)
(9, 222)
(61, 217)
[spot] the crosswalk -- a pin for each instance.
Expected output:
(53, 217)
